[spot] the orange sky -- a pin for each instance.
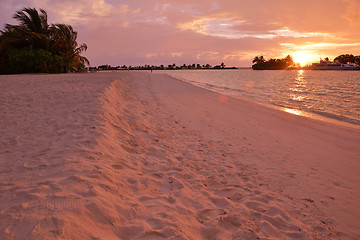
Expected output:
(158, 32)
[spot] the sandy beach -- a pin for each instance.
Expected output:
(140, 155)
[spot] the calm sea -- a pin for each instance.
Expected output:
(333, 94)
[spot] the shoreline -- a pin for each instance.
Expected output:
(321, 116)
(137, 155)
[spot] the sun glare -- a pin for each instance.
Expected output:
(293, 111)
(304, 58)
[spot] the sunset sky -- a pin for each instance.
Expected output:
(156, 32)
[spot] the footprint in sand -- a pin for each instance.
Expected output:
(35, 165)
(62, 202)
(32, 180)
(117, 166)
(171, 184)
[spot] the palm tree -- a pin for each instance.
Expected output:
(63, 42)
(32, 20)
(32, 30)
(289, 61)
(258, 59)
(34, 34)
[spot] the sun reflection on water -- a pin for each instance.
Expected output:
(298, 87)
(300, 78)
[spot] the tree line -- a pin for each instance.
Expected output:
(348, 58)
(161, 67)
(34, 46)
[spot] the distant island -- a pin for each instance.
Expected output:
(260, 63)
(341, 62)
(161, 67)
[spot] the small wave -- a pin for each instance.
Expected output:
(336, 117)
(320, 94)
(218, 88)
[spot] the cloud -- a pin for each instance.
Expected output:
(213, 27)
(228, 28)
(150, 55)
(176, 54)
(286, 32)
(100, 8)
(322, 46)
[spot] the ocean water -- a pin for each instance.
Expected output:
(331, 94)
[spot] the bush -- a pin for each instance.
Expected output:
(29, 60)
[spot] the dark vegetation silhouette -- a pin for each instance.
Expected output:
(34, 46)
(348, 58)
(260, 63)
(162, 67)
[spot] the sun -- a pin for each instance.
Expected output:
(304, 58)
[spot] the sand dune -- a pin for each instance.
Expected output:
(145, 156)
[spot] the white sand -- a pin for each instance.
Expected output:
(145, 156)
